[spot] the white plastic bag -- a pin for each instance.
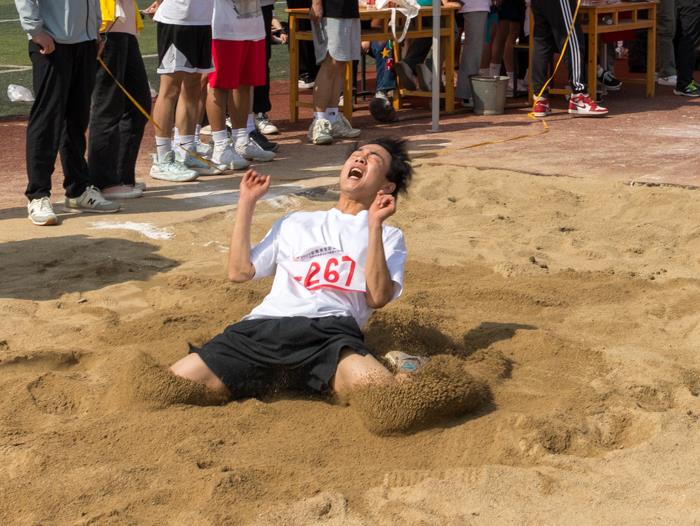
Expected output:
(408, 8)
(18, 93)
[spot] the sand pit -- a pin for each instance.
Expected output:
(576, 302)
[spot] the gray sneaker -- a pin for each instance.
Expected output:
(252, 151)
(91, 200)
(41, 212)
(199, 164)
(169, 169)
(341, 129)
(320, 132)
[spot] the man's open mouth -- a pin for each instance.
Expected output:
(355, 173)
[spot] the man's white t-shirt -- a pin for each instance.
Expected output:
(185, 12)
(318, 259)
(237, 20)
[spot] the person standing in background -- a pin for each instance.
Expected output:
(261, 94)
(475, 13)
(116, 125)
(665, 32)
(686, 40)
(63, 54)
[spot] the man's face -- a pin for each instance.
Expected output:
(364, 173)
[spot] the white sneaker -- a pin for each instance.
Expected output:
(169, 169)
(341, 129)
(401, 362)
(671, 80)
(91, 200)
(205, 149)
(41, 212)
(252, 151)
(227, 159)
(122, 191)
(200, 165)
(264, 124)
(141, 186)
(320, 132)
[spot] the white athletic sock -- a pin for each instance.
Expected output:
(241, 136)
(250, 123)
(163, 146)
(197, 129)
(176, 138)
(318, 115)
(220, 138)
(495, 69)
(187, 142)
(332, 114)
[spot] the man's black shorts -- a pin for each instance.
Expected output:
(252, 356)
(512, 10)
(183, 48)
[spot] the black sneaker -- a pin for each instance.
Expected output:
(691, 90)
(609, 80)
(262, 141)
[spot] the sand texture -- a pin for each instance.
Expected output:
(563, 317)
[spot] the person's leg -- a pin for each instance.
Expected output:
(560, 19)
(385, 77)
(51, 79)
(543, 44)
(77, 117)
(508, 55)
(261, 94)
(498, 46)
(687, 37)
(188, 105)
(193, 368)
(239, 106)
(133, 123)
(355, 371)
(164, 110)
(474, 29)
(418, 51)
(665, 33)
(108, 107)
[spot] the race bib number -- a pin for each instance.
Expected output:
(337, 271)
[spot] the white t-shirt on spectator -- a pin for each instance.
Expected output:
(472, 6)
(237, 20)
(318, 259)
(185, 12)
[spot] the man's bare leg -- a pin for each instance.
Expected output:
(217, 102)
(356, 371)
(188, 107)
(329, 82)
(239, 106)
(193, 368)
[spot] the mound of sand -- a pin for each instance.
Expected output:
(145, 382)
(440, 391)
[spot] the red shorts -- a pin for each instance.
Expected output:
(238, 63)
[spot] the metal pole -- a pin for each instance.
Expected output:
(437, 66)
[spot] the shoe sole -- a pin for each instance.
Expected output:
(122, 196)
(323, 141)
(276, 132)
(91, 210)
(580, 114)
(165, 178)
(541, 115)
(690, 96)
(49, 222)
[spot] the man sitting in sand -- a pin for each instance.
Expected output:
(332, 269)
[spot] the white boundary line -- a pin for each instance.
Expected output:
(15, 69)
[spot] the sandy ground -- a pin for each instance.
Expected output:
(575, 300)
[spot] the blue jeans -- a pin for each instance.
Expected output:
(385, 78)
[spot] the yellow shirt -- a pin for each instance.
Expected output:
(109, 8)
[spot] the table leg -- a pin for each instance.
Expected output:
(347, 91)
(397, 92)
(450, 66)
(592, 55)
(651, 53)
(293, 70)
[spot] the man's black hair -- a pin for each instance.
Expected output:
(400, 169)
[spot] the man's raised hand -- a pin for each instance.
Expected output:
(383, 207)
(253, 186)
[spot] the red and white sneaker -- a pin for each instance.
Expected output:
(581, 104)
(541, 107)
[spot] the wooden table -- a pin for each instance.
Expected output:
(419, 29)
(625, 16)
